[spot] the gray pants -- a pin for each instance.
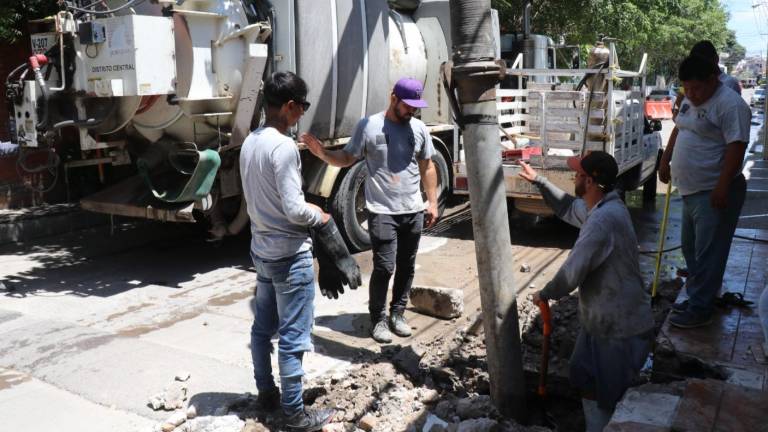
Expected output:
(395, 241)
(605, 368)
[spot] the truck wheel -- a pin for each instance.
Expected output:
(443, 182)
(649, 188)
(348, 204)
(348, 208)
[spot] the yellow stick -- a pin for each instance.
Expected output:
(662, 236)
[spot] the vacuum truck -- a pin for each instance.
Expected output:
(157, 96)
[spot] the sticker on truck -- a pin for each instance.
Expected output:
(42, 42)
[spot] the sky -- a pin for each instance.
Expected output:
(749, 22)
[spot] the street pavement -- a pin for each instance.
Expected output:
(93, 323)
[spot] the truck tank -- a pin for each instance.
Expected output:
(184, 77)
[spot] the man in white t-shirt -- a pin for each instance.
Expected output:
(705, 162)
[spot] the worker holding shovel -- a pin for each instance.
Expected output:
(614, 305)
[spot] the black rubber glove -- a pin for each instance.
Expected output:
(328, 276)
(329, 241)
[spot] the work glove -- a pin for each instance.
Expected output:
(328, 276)
(333, 254)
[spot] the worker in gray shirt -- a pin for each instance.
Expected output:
(614, 306)
(397, 149)
(281, 249)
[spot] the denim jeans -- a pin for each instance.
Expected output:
(285, 291)
(395, 241)
(706, 234)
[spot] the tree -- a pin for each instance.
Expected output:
(734, 49)
(15, 14)
(665, 29)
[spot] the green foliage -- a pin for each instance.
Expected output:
(665, 29)
(14, 15)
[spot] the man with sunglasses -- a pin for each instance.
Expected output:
(397, 149)
(614, 305)
(281, 250)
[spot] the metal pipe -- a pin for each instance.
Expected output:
(527, 20)
(475, 79)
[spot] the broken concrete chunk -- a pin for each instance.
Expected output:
(428, 396)
(157, 401)
(174, 420)
(191, 412)
(252, 425)
(441, 302)
(407, 360)
(367, 423)
(183, 376)
(474, 407)
(171, 398)
(477, 425)
(434, 423)
(525, 268)
(224, 423)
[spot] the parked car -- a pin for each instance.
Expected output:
(758, 98)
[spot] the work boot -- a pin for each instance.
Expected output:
(380, 332)
(268, 400)
(398, 325)
(310, 419)
(680, 307)
(690, 319)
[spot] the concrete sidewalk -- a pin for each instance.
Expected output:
(719, 373)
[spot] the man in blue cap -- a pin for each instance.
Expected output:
(397, 149)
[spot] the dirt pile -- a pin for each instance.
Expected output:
(443, 385)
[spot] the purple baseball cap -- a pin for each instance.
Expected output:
(409, 90)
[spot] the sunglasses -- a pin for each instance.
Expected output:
(304, 104)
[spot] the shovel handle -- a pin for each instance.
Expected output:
(546, 316)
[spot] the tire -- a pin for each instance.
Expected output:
(649, 187)
(348, 208)
(443, 182)
(348, 204)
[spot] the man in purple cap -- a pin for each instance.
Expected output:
(397, 149)
(614, 305)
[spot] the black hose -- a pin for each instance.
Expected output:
(471, 31)
(51, 166)
(14, 72)
(654, 252)
(751, 239)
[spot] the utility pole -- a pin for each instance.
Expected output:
(765, 104)
(475, 73)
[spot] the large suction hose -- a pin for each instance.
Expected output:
(471, 31)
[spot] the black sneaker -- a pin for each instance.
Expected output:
(398, 325)
(680, 307)
(268, 400)
(380, 332)
(690, 319)
(310, 420)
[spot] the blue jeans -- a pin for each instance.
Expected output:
(706, 234)
(285, 292)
